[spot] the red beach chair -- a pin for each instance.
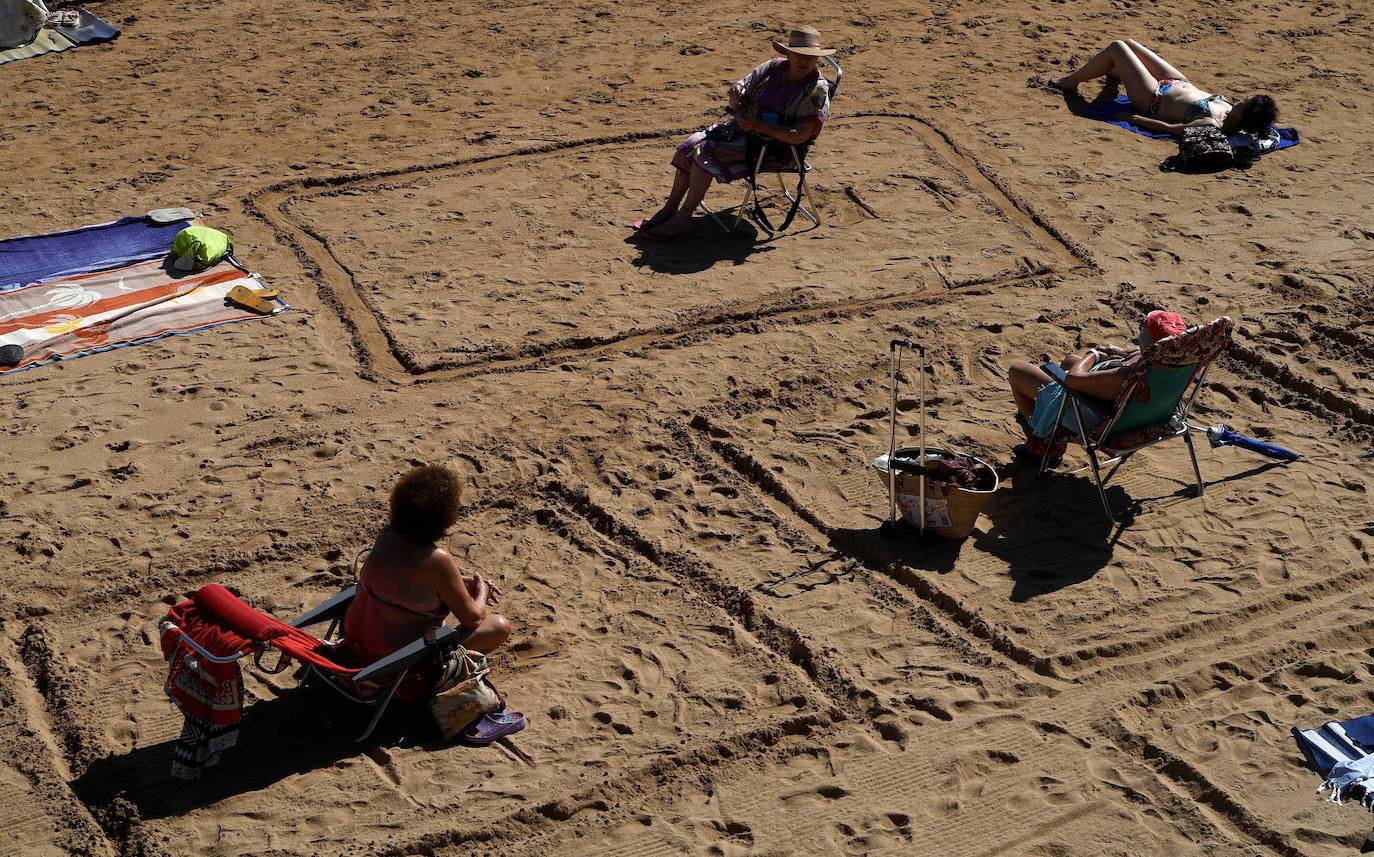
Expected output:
(215, 626)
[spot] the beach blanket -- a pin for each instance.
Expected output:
(1105, 111)
(20, 21)
(1343, 753)
(32, 259)
(90, 30)
(101, 311)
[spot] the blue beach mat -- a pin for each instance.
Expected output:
(33, 259)
(1105, 111)
(89, 30)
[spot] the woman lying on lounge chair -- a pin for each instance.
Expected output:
(784, 99)
(1100, 373)
(1164, 99)
(409, 584)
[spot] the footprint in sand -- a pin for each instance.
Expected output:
(818, 796)
(605, 719)
(888, 831)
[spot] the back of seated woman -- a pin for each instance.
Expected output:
(409, 584)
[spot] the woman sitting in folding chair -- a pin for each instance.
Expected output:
(1101, 373)
(409, 584)
(785, 99)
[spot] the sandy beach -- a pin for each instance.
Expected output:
(665, 446)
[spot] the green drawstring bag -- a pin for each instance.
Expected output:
(198, 247)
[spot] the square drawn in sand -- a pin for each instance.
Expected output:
(1228, 725)
(1044, 567)
(529, 253)
(614, 670)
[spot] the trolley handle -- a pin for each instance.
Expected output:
(906, 343)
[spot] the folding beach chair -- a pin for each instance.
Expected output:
(218, 627)
(1152, 406)
(780, 159)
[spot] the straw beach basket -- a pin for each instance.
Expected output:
(950, 511)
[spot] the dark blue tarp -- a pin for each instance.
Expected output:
(39, 258)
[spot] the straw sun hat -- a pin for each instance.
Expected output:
(803, 40)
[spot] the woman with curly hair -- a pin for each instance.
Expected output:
(1164, 99)
(409, 584)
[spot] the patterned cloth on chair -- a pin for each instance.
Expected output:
(210, 695)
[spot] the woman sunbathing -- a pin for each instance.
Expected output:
(1164, 100)
(1100, 373)
(784, 99)
(409, 584)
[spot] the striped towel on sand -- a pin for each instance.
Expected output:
(90, 30)
(1341, 753)
(96, 312)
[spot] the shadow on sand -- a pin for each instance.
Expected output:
(278, 738)
(707, 245)
(1053, 533)
(1050, 531)
(704, 248)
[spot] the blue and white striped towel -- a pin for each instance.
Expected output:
(1341, 752)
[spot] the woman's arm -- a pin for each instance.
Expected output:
(1103, 385)
(792, 136)
(1148, 124)
(470, 607)
(1119, 350)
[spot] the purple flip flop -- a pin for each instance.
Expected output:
(490, 727)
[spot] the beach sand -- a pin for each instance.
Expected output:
(665, 447)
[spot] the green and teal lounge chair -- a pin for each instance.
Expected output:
(1153, 404)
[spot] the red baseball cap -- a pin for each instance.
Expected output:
(1160, 324)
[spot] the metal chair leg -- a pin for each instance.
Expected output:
(1101, 490)
(1049, 444)
(1092, 459)
(751, 193)
(318, 674)
(1120, 460)
(709, 213)
(381, 709)
(803, 189)
(1197, 471)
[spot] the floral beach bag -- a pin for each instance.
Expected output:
(463, 693)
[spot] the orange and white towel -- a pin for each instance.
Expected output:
(110, 309)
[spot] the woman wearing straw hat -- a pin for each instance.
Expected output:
(785, 99)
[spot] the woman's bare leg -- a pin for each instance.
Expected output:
(681, 222)
(489, 636)
(1119, 60)
(1154, 63)
(1026, 379)
(681, 181)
